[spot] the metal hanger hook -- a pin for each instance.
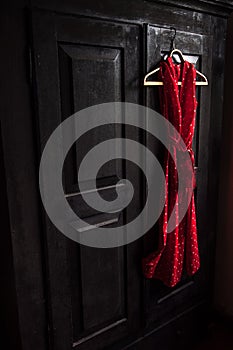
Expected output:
(173, 39)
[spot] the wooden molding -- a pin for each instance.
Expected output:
(221, 8)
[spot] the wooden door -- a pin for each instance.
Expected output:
(93, 294)
(163, 303)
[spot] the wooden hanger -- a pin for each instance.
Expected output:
(179, 53)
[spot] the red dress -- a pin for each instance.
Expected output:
(178, 105)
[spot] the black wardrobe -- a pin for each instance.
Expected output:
(59, 57)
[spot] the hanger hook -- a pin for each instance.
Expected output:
(173, 39)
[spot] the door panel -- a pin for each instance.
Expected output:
(80, 62)
(163, 303)
(80, 69)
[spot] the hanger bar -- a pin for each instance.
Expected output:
(160, 83)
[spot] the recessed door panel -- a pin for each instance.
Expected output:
(81, 62)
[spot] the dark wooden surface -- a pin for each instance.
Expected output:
(55, 278)
(141, 9)
(220, 7)
(21, 162)
(10, 333)
(87, 53)
(223, 280)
